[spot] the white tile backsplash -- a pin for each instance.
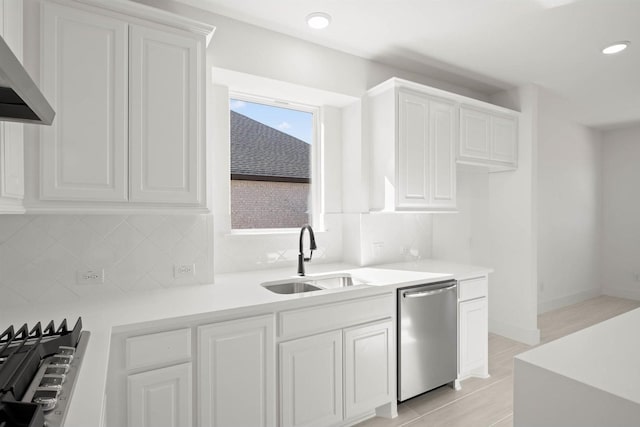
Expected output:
(41, 254)
(243, 252)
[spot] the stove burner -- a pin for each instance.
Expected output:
(38, 369)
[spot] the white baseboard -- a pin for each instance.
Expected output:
(527, 336)
(622, 293)
(544, 306)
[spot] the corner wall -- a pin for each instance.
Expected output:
(621, 213)
(569, 207)
(513, 298)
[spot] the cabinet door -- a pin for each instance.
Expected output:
(165, 138)
(414, 156)
(84, 76)
(11, 134)
(442, 137)
(311, 380)
(475, 134)
(160, 398)
(236, 373)
(473, 338)
(368, 368)
(504, 139)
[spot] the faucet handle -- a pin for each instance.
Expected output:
(310, 255)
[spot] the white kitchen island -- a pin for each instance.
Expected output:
(589, 378)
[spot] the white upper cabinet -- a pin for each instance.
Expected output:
(416, 134)
(11, 134)
(165, 97)
(129, 133)
(488, 138)
(84, 152)
(412, 137)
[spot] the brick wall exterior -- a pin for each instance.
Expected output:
(265, 204)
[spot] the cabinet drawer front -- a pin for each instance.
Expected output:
(473, 288)
(158, 349)
(320, 318)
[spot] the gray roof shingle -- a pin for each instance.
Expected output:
(260, 150)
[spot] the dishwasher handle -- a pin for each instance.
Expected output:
(418, 294)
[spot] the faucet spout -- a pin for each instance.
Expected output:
(312, 247)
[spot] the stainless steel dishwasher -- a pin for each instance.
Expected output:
(427, 337)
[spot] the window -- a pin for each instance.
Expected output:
(271, 164)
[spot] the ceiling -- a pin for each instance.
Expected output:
(553, 43)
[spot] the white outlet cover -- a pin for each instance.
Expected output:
(184, 270)
(90, 277)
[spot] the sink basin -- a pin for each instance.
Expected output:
(291, 287)
(312, 283)
(332, 281)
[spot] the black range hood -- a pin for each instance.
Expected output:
(20, 98)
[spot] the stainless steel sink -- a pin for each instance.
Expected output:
(291, 287)
(333, 281)
(312, 283)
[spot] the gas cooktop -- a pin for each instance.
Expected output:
(38, 370)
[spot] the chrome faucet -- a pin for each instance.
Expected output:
(312, 247)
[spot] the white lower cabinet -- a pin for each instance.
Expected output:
(316, 370)
(473, 329)
(368, 367)
(329, 364)
(311, 380)
(236, 373)
(161, 397)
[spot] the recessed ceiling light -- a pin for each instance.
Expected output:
(615, 48)
(318, 20)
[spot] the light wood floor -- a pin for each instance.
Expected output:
(489, 402)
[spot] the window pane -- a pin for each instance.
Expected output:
(270, 166)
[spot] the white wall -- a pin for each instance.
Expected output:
(621, 213)
(569, 207)
(463, 237)
(513, 229)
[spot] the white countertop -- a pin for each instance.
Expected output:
(605, 356)
(231, 293)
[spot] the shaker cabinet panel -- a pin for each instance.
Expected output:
(165, 96)
(368, 367)
(503, 147)
(84, 152)
(161, 397)
(442, 134)
(473, 338)
(414, 160)
(488, 138)
(475, 134)
(311, 381)
(236, 373)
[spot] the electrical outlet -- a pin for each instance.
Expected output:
(90, 277)
(184, 270)
(378, 249)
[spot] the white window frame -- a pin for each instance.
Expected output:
(316, 214)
